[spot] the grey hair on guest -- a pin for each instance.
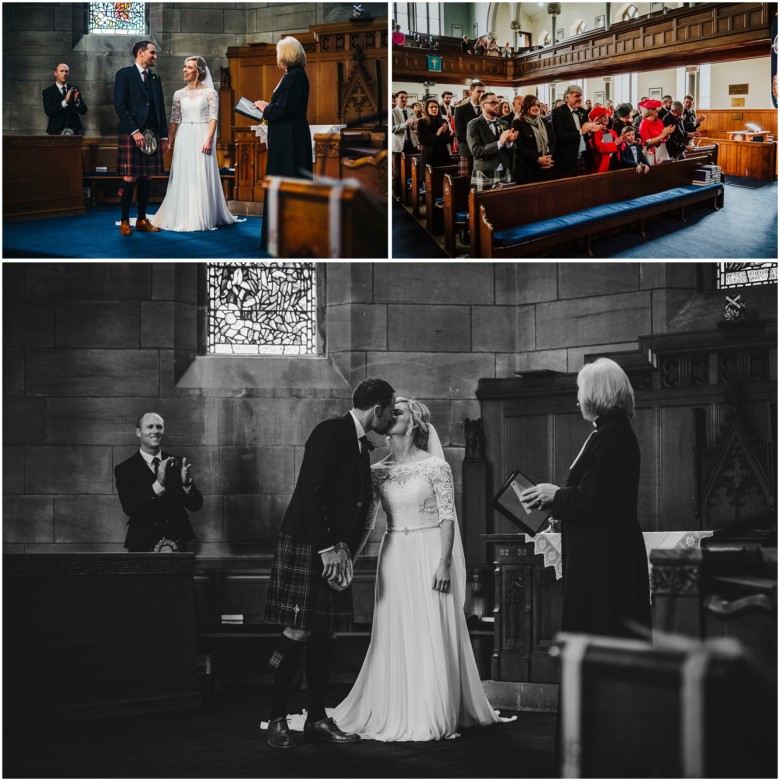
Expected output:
(572, 88)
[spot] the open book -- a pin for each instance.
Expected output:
(248, 109)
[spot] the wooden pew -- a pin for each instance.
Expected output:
(306, 220)
(406, 174)
(456, 200)
(676, 708)
(434, 187)
(418, 179)
(370, 171)
(523, 205)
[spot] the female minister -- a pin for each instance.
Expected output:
(606, 588)
(289, 137)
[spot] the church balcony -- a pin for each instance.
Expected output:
(711, 32)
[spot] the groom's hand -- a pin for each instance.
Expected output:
(334, 564)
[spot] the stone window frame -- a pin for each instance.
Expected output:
(110, 44)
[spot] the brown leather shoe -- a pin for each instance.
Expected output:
(279, 734)
(124, 228)
(144, 226)
(326, 729)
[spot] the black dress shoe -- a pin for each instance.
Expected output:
(326, 729)
(279, 734)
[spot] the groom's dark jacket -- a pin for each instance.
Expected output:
(136, 106)
(333, 490)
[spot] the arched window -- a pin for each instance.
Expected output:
(117, 18)
(262, 308)
(581, 27)
(630, 13)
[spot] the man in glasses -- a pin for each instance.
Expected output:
(491, 146)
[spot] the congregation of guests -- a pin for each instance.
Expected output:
(527, 141)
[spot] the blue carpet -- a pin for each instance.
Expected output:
(95, 234)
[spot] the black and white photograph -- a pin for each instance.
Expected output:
(249, 519)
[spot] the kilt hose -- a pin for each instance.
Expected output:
(298, 595)
(130, 161)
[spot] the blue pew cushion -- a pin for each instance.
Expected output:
(594, 214)
(461, 216)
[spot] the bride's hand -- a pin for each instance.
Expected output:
(206, 148)
(441, 578)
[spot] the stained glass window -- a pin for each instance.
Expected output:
(117, 18)
(262, 308)
(746, 274)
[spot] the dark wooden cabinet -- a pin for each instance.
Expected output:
(527, 611)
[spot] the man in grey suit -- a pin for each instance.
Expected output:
(490, 145)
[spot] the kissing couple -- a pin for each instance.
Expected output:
(419, 680)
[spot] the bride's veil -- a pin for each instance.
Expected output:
(458, 561)
(208, 81)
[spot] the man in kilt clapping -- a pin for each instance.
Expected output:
(143, 133)
(309, 592)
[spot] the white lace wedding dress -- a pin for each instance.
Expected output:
(194, 200)
(419, 680)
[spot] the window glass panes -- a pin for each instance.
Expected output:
(117, 18)
(262, 308)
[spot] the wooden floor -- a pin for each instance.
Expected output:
(223, 740)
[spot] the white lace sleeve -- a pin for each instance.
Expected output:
(213, 104)
(176, 109)
(443, 489)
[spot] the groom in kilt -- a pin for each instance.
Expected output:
(309, 590)
(139, 104)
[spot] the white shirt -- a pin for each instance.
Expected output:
(576, 117)
(361, 432)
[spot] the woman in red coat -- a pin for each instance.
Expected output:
(653, 133)
(603, 143)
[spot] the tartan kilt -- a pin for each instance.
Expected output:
(482, 181)
(298, 595)
(130, 161)
(465, 165)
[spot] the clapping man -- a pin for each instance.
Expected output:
(63, 104)
(491, 146)
(571, 125)
(156, 490)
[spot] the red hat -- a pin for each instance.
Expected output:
(599, 111)
(650, 104)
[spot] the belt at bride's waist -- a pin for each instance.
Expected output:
(194, 122)
(407, 529)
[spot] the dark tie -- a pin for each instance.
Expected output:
(404, 113)
(155, 464)
(64, 91)
(494, 125)
(143, 76)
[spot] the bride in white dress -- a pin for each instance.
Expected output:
(419, 680)
(194, 200)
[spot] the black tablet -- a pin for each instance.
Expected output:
(529, 519)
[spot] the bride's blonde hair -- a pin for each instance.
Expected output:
(421, 419)
(200, 64)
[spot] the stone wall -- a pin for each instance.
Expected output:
(37, 36)
(88, 347)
